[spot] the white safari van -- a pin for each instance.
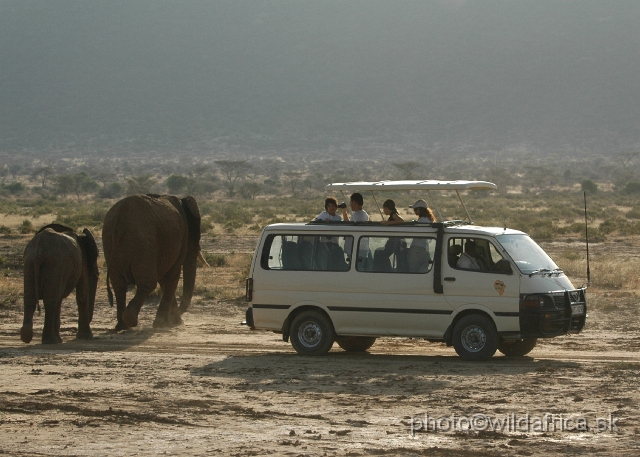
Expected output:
(349, 282)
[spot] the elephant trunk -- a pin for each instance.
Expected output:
(188, 280)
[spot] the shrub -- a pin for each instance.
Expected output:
(632, 187)
(26, 227)
(15, 187)
(215, 260)
(589, 186)
(633, 214)
(4, 230)
(113, 190)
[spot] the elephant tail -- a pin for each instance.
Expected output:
(36, 280)
(109, 292)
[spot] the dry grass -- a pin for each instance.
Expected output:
(608, 272)
(10, 291)
(224, 282)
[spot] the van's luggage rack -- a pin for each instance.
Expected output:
(451, 223)
(424, 185)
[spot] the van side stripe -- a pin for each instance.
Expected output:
(271, 306)
(506, 314)
(390, 310)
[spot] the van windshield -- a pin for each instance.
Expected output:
(527, 255)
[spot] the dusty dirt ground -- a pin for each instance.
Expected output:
(213, 387)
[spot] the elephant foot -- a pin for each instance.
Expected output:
(175, 320)
(121, 326)
(26, 334)
(84, 335)
(130, 318)
(51, 339)
(161, 322)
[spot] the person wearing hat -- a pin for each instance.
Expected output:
(419, 250)
(423, 212)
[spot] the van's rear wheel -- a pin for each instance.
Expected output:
(311, 333)
(475, 338)
(355, 343)
(517, 348)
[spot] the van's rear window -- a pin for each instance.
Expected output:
(307, 252)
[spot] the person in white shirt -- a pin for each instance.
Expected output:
(329, 214)
(359, 215)
(468, 259)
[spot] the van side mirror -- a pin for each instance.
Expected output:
(503, 266)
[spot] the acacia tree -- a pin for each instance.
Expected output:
(43, 174)
(232, 170)
(407, 168)
(140, 184)
(64, 184)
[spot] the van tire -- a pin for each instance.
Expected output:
(475, 337)
(517, 348)
(311, 333)
(355, 343)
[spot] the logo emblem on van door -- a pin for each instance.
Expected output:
(499, 287)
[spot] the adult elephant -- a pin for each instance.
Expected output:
(56, 261)
(149, 239)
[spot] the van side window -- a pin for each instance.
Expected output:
(307, 253)
(476, 254)
(395, 254)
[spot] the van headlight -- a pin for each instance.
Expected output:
(536, 301)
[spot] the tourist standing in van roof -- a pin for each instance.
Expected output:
(423, 211)
(358, 214)
(329, 213)
(389, 208)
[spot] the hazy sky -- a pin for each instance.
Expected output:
(489, 72)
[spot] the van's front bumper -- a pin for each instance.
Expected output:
(559, 313)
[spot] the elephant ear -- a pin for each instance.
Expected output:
(191, 205)
(91, 251)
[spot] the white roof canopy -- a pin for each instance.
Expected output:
(412, 185)
(424, 185)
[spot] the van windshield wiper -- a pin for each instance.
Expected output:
(544, 271)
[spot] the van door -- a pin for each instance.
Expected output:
(473, 276)
(391, 291)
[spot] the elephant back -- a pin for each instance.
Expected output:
(152, 227)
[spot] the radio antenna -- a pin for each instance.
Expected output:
(586, 236)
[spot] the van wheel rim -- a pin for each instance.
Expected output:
(310, 334)
(473, 338)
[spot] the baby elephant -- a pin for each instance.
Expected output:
(56, 261)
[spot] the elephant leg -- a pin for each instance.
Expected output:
(30, 304)
(84, 314)
(51, 330)
(119, 287)
(168, 315)
(143, 290)
(56, 317)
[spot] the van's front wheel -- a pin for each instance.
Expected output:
(311, 333)
(355, 343)
(475, 338)
(517, 348)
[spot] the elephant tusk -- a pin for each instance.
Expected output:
(202, 259)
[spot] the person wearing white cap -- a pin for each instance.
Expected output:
(423, 212)
(419, 251)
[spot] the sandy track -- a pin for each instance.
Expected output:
(214, 387)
